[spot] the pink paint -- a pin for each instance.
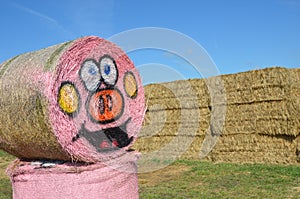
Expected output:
(89, 101)
(67, 128)
(75, 181)
(93, 102)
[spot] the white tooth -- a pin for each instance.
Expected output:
(48, 164)
(36, 163)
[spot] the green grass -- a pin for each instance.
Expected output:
(223, 180)
(5, 185)
(195, 179)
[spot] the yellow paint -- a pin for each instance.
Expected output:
(68, 99)
(130, 85)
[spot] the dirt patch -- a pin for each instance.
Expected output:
(168, 173)
(297, 189)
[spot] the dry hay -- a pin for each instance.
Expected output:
(262, 122)
(61, 102)
(255, 148)
(23, 107)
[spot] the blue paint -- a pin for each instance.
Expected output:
(92, 71)
(106, 69)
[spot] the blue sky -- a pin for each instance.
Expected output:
(236, 35)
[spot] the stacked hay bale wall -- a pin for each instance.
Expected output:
(262, 122)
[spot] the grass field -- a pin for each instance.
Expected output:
(195, 179)
(5, 186)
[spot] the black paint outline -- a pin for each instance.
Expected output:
(80, 72)
(109, 134)
(117, 71)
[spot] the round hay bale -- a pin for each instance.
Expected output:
(74, 180)
(81, 100)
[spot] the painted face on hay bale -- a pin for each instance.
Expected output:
(102, 97)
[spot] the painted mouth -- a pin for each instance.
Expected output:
(104, 140)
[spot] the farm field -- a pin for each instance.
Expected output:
(197, 179)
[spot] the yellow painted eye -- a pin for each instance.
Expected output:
(68, 98)
(130, 85)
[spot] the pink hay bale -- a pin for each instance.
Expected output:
(75, 180)
(81, 101)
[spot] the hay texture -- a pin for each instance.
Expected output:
(79, 101)
(261, 110)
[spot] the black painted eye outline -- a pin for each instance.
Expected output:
(108, 70)
(90, 75)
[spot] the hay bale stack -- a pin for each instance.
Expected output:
(167, 106)
(257, 102)
(80, 101)
(261, 120)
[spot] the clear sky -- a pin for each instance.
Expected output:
(238, 35)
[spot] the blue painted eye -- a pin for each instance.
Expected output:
(107, 69)
(90, 75)
(92, 71)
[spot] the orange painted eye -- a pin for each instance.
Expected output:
(68, 98)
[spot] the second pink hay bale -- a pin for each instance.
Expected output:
(75, 180)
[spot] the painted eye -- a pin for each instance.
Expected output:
(130, 85)
(108, 70)
(68, 98)
(90, 75)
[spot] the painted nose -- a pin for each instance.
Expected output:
(106, 105)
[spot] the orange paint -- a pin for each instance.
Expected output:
(106, 105)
